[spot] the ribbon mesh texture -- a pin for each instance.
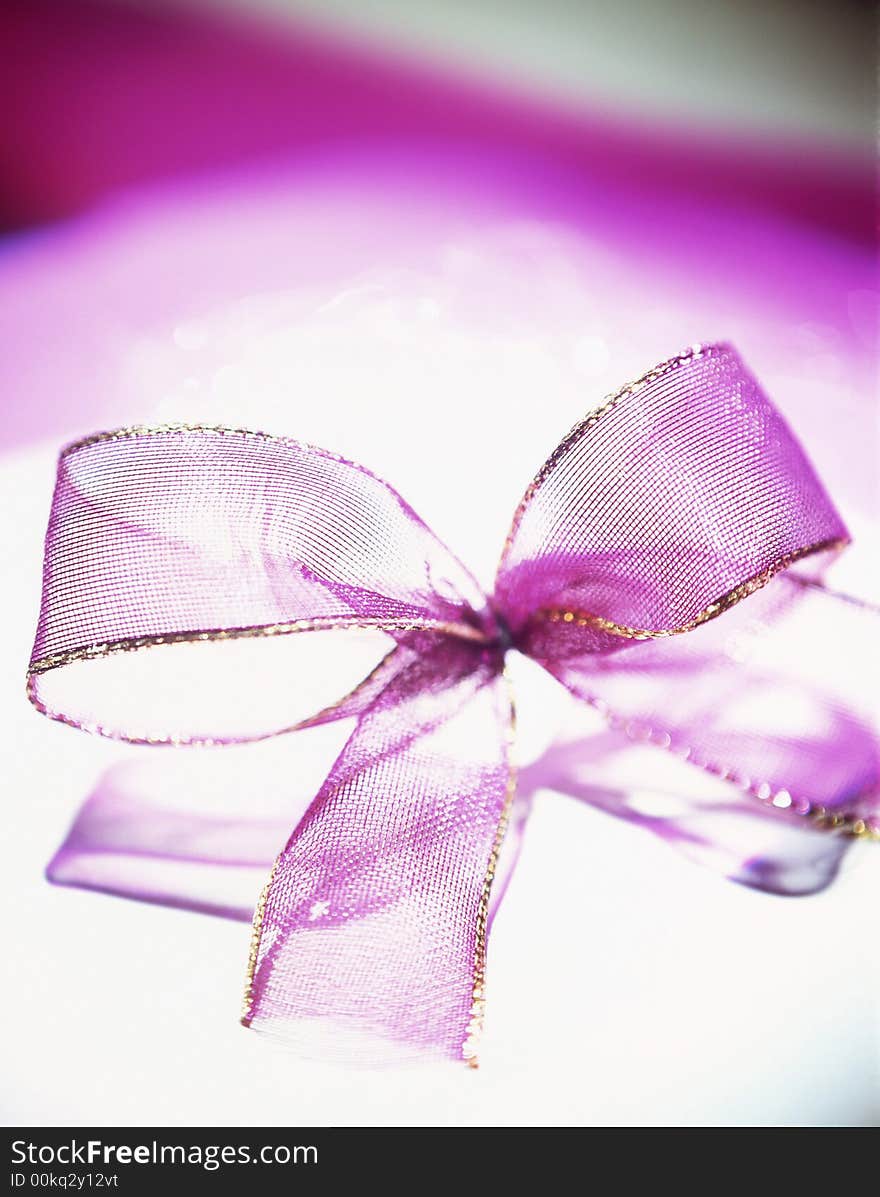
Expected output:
(192, 575)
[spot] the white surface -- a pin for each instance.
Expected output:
(626, 986)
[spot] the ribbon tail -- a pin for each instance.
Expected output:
(370, 937)
(741, 700)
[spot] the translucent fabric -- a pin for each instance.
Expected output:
(192, 575)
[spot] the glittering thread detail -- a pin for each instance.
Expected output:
(340, 709)
(254, 951)
(91, 652)
(845, 822)
(585, 619)
(139, 431)
(474, 1033)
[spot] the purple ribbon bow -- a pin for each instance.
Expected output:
(679, 496)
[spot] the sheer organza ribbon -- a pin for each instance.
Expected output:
(681, 495)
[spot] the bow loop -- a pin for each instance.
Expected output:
(680, 495)
(211, 547)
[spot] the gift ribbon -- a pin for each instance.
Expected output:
(623, 574)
